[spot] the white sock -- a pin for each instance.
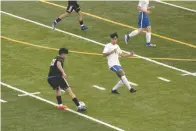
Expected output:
(148, 37)
(119, 84)
(126, 82)
(133, 33)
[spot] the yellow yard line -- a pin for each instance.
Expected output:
(123, 25)
(86, 53)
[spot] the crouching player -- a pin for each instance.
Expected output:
(57, 80)
(112, 51)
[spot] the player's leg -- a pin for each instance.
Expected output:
(133, 33)
(64, 85)
(147, 27)
(62, 16)
(80, 18)
(118, 85)
(148, 37)
(121, 74)
(137, 31)
(124, 79)
(54, 83)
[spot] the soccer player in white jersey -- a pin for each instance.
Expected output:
(143, 23)
(112, 51)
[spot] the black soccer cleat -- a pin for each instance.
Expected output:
(132, 90)
(115, 92)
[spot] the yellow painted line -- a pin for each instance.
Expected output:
(45, 47)
(123, 25)
(86, 53)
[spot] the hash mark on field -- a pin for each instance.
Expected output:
(3, 101)
(134, 84)
(98, 87)
(35, 93)
(163, 79)
(95, 42)
(70, 110)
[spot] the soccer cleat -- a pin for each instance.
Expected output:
(127, 38)
(132, 90)
(84, 27)
(150, 45)
(61, 107)
(54, 25)
(115, 92)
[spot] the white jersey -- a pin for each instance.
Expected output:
(113, 59)
(143, 4)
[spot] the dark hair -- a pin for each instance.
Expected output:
(63, 50)
(113, 35)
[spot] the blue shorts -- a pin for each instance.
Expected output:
(143, 20)
(115, 68)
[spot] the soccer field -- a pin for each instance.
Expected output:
(28, 45)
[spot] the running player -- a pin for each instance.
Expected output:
(57, 80)
(143, 23)
(112, 52)
(72, 5)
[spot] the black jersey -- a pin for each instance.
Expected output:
(54, 71)
(72, 2)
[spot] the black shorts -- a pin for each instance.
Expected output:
(74, 7)
(56, 82)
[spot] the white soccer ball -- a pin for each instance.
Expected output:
(82, 106)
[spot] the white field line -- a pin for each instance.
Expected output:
(70, 110)
(35, 93)
(98, 87)
(98, 43)
(177, 6)
(163, 79)
(187, 74)
(3, 101)
(134, 84)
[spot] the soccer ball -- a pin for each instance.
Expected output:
(82, 106)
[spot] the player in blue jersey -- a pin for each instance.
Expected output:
(143, 23)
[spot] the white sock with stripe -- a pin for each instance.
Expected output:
(119, 84)
(126, 82)
(133, 33)
(148, 37)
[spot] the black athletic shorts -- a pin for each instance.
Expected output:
(74, 7)
(56, 82)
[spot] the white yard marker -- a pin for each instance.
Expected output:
(98, 87)
(35, 93)
(95, 42)
(163, 79)
(70, 110)
(134, 84)
(3, 101)
(177, 6)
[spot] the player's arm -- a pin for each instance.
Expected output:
(59, 66)
(125, 54)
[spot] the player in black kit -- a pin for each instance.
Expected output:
(57, 79)
(72, 5)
